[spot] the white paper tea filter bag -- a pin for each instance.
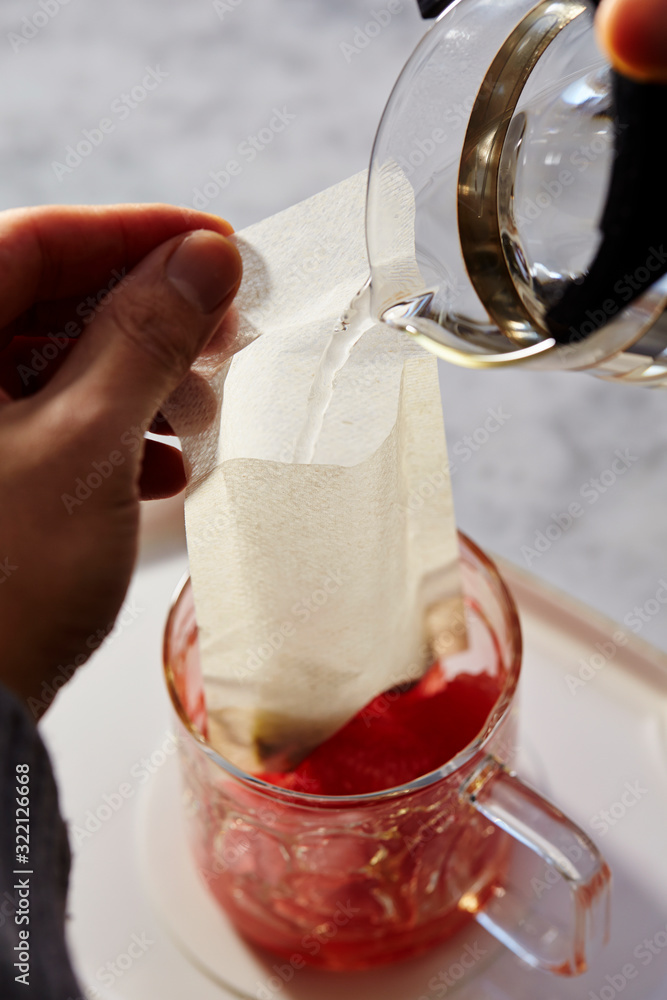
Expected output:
(319, 514)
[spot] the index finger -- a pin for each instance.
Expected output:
(60, 251)
(633, 33)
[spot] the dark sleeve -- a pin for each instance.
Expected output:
(32, 902)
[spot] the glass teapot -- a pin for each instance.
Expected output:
(517, 197)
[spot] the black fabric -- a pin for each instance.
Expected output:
(431, 8)
(50, 974)
(632, 254)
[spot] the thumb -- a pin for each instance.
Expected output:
(633, 35)
(147, 335)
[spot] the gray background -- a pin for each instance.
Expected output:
(227, 71)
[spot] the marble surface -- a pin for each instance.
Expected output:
(229, 66)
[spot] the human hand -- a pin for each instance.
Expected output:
(633, 34)
(147, 299)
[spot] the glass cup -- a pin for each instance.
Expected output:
(352, 882)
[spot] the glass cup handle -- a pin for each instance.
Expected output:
(510, 915)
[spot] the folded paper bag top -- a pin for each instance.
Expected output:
(319, 581)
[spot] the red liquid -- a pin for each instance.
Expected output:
(350, 885)
(398, 737)
(356, 886)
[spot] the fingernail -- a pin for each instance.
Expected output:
(204, 269)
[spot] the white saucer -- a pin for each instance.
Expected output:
(206, 936)
(131, 877)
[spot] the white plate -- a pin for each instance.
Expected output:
(205, 935)
(133, 893)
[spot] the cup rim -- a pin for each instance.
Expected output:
(474, 748)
